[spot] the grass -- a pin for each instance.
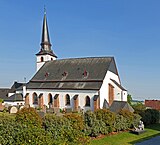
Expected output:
(127, 138)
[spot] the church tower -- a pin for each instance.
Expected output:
(45, 54)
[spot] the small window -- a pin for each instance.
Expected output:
(42, 59)
(64, 74)
(35, 98)
(50, 100)
(85, 74)
(51, 58)
(67, 99)
(87, 101)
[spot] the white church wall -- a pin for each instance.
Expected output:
(45, 59)
(117, 91)
(104, 88)
(62, 93)
(124, 95)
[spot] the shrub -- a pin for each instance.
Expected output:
(31, 135)
(106, 116)
(136, 120)
(76, 120)
(7, 130)
(119, 123)
(62, 132)
(129, 116)
(150, 116)
(28, 116)
(12, 132)
(94, 127)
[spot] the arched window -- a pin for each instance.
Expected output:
(50, 100)
(67, 99)
(87, 101)
(51, 58)
(42, 59)
(35, 98)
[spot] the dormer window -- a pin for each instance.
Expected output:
(42, 59)
(46, 74)
(64, 74)
(85, 73)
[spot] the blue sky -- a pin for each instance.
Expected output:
(127, 30)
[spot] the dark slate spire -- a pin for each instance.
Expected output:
(45, 42)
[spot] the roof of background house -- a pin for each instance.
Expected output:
(14, 98)
(4, 92)
(74, 73)
(120, 105)
(15, 86)
(154, 104)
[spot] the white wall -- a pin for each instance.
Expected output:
(62, 93)
(118, 95)
(104, 88)
(45, 59)
(124, 95)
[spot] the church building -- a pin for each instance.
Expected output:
(87, 83)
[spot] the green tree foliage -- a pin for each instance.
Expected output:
(7, 129)
(29, 129)
(76, 120)
(129, 99)
(136, 119)
(125, 120)
(62, 132)
(12, 133)
(139, 107)
(1, 100)
(93, 126)
(129, 117)
(120, 123)
(106, 116)
(150, 116)
(28, 116)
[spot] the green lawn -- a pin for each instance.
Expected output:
(127, 138)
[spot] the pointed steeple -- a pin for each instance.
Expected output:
(45, 41)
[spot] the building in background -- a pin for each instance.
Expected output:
(152, 104)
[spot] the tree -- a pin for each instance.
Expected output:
(28, 116)
(129, 99)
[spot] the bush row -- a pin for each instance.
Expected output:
(149, 116)
(29, 128)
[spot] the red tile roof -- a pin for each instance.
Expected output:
(154, 104)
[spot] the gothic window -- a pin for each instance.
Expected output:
(35, 98)
(42, 59)
(50, 100)
(87, 101)
(67, 99)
